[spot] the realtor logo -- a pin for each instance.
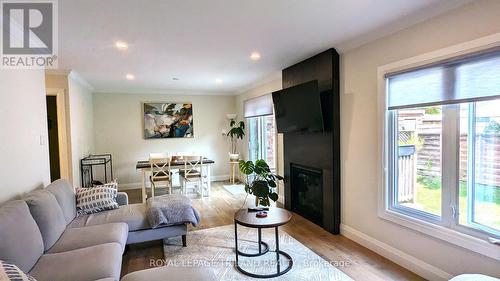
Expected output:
(29, 34)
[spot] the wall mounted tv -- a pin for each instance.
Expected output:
(298, 108)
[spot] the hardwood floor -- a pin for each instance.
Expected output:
(358, 262)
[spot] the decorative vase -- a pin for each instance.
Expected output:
(234, 156)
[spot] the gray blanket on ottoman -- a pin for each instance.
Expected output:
(172, 209)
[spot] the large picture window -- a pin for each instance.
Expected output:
(479, 174)
(443, 144)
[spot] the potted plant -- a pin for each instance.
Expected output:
(260, 181)
(236, 132)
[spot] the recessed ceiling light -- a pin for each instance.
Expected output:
(120, 45)
(130, 76)
(255, 56)
(218, 81)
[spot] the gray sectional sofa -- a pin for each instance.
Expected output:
(42, 235)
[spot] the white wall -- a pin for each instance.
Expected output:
(360, 142)
(81, 119)
(24, 154)
(118, 124)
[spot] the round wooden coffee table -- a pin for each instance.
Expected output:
(275, 218)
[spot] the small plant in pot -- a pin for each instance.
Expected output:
(236, 132)
(260, 181)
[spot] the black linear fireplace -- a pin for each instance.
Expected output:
(307, 192)
(312, 157)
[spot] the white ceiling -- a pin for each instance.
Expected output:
(198, 41)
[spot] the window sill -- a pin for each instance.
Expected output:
(443, 233)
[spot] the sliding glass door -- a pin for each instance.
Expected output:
(262, 139)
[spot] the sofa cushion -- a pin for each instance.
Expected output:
(172, 274)
(134, 215)
(81, 237)
(21, 242)
(91, 263)
(47, 214)
(65, 195)
(10, 272)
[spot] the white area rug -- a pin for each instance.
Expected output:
(235, 189)
(214, 248)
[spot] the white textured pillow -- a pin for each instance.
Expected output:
(12, 272)
(96, 199)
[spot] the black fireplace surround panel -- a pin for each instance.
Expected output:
(309, 156)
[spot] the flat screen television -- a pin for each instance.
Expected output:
(298, 108)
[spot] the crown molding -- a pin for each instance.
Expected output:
(78, 78)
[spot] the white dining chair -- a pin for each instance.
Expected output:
(192, 173)
(160, 171)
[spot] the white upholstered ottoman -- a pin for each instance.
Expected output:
(473, 277)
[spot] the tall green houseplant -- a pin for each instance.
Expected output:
(237, 131)
(260, 181)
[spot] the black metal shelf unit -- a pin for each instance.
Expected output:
(94, 164)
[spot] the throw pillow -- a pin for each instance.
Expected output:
(97, 198)
(13, 273)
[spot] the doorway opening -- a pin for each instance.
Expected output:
(53, 134)
(58, 135)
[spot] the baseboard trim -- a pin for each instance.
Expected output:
(405, 260)
(136, 185)
(128, 186)
(220, 178)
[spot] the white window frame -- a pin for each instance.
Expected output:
(459, 235)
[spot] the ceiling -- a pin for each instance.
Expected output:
(199, 41)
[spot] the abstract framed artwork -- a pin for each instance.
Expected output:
(168, 120)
